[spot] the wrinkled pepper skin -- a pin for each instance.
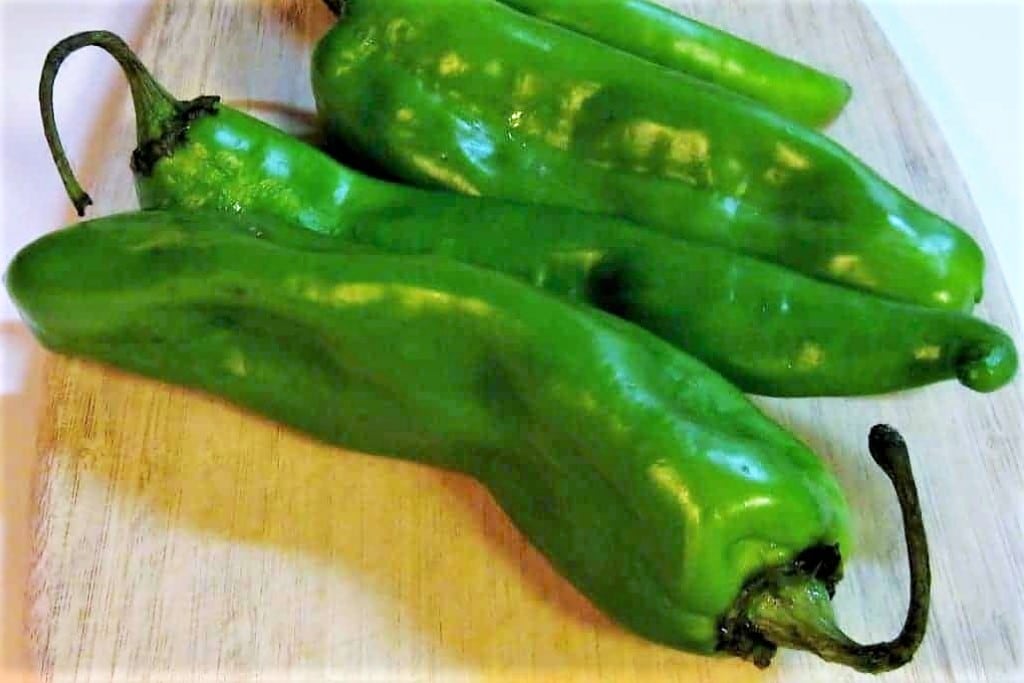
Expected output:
(664, 37)
(501, 104)
(768, 329)
(651, 483)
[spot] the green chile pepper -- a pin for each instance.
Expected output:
(664, 37)
(651, 483)
(768, 329)
(473, 96)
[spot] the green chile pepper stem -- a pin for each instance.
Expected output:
(161, 120)
(788, 608)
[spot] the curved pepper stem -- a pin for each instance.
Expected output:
(792, 608)
(161, 120)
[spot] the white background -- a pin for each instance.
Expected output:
(967, 59)
(964, 55)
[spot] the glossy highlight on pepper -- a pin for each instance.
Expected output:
(768, 329)
(490, 105)
(650, 482)
(664, 37)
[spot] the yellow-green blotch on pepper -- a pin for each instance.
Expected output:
(473, 96)
(766, 328)
(650, 482)
(664, 37)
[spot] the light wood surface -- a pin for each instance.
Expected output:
(177, 538)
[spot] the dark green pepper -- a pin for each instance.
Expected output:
(768, 329)
(651, 483)
(664, 37)
(473, 96)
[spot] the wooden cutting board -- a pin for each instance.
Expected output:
(177, 538)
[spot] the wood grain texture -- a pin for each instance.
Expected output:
(177, 538)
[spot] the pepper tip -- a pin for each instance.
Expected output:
(989, 366)
(81, 202)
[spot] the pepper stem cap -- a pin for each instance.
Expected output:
(791, 607)
(160, 118)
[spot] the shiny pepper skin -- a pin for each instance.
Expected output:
(658, 34)
(650, 482)
(766, 328)
(476, 97)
